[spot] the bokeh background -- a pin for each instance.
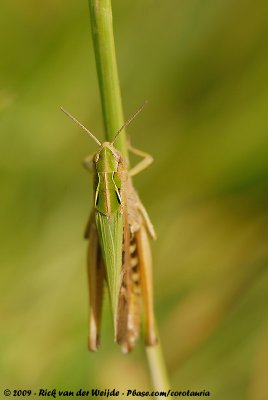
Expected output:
(203, 67)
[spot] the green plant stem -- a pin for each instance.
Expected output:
(103, 39)
(157, 367)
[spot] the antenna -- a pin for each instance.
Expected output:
(82, 126)
(129, 120)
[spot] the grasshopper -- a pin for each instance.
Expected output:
(119, 251)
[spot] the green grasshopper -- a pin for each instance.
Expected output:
(119, 251)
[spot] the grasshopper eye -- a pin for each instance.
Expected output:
(96, 157)
(116, 155)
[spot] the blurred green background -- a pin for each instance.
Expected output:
(203, 67)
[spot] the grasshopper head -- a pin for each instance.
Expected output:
(107, 159)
